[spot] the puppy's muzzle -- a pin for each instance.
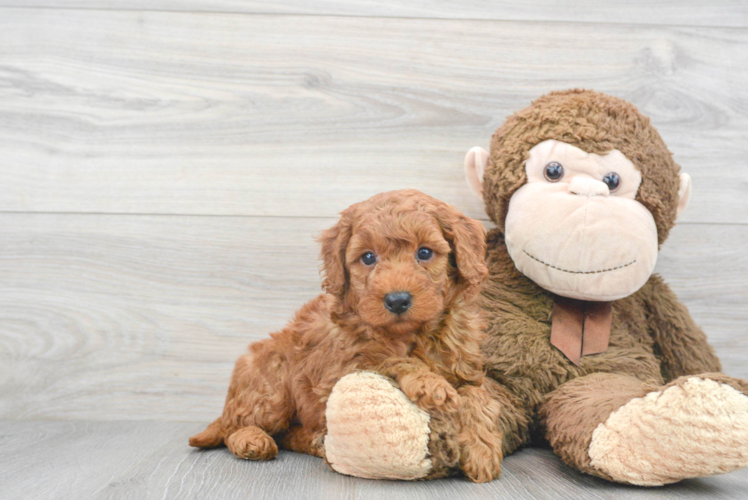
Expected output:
(398, 302)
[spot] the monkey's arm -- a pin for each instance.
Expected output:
(682, 346)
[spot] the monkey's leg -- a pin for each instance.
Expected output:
(616, 427)
(375, 431)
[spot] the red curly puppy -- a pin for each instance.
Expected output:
(402, 271)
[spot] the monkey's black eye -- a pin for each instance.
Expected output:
(553, 171)
(612, 181)
(369, 258)
(425, 253)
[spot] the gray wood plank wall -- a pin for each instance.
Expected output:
(163, 173)
(670, 12)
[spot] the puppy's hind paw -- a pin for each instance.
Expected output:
(252, 443)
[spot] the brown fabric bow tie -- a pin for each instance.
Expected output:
(579, 327)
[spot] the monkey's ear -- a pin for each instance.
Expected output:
(684, 193)
(476, 161)
(334, 244)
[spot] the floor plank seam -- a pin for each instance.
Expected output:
(273, 216)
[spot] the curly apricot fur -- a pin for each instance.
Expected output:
(431, 351)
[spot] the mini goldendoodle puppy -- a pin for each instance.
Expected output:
(402, 271)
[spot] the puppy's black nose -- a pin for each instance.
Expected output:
(398, 302)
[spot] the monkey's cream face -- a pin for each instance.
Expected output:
(576, 228)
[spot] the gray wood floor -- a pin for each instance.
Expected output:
(166, 164)
(143, 460)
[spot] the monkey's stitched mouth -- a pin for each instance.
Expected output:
(578, 272)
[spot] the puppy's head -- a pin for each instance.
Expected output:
(401, 258)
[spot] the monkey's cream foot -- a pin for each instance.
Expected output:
(375, 431)
(695, 427)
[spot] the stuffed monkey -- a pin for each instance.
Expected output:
(589, 350)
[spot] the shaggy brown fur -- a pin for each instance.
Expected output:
(280, 388)
(653, 338)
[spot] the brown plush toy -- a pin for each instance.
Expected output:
(591, 351)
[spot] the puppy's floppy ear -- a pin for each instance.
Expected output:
(467, 237)
(334, 244)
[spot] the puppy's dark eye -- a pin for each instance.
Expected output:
(612, 180)
(425, 253)
(369, 258)
(553, 171)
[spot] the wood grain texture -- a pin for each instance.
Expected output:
(670, 12)
(142, 317)
(181, 113)
(143, 460)
(64, 460)
(125, 316)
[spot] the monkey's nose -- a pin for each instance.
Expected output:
(398, 302)
(585, 186)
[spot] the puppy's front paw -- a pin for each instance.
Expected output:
(482, 463)
(430, 392)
